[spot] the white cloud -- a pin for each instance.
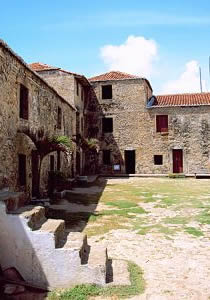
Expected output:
(188, 81)
(136, 56)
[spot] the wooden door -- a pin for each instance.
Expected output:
(177, 161)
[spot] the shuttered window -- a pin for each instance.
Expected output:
(162, 123)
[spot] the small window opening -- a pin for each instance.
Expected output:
(106, 157)
(22, 169)
(158, 159)
(162, 123)
(107, 125)
(106, 91)
(59, 118)
(23, 102)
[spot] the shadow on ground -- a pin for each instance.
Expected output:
(78, 206)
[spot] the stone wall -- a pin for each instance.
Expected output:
(75, 89)
(134, 128)
(43, 110)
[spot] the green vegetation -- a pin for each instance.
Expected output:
(122, 204)
(194, 231)
(84, 292)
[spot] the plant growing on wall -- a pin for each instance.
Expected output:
(45, 144)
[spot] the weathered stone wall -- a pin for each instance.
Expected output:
(71, 88)
(134, 128)
(43, 106)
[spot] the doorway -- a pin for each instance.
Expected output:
(35, 175)
(177, 161)
(130, 161)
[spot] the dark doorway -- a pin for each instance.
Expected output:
(35, 175)
(177, 161)
(22, 169)
(130, 161)
(78, 163)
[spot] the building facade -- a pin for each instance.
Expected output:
(138, 133)
(29, 104)
(143, 134)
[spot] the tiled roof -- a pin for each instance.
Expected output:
(183, 100)
(113, 75)
(37, 66)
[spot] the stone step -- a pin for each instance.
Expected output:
(117, 273)
(35, 215)
(55, 227)
(77, 241)
(96, 267)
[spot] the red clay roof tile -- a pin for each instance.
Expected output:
(193, 99)
(113, 75)
(37, 66)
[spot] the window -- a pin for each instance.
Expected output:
(52, 163)
(107, 125)
(158, 159)
(23, 102)
(22, 169)
(59, 118)
(106, 157)
(82, 94)
(58, 160)
(77, 88)
(106, 92)
(162, 123)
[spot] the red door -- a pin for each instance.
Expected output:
(177, 161)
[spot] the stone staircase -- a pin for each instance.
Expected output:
(45, 255)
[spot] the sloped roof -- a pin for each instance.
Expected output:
(191, 99)
(40, 67)
(21, 61)
(113, 75)
(37, 66)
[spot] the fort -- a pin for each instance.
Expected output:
(112, 125)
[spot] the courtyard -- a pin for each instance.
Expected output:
(161, 224)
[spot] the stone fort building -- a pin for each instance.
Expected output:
(138, 132)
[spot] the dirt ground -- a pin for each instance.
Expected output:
(161, 224)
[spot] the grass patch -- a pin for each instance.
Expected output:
(176, 220)
(204, 218)
(194, 231)
(122, 204)
(123, 212)
(157, 228)
(84, 292)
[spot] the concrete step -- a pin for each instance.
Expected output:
(13, 200)
(35, 215)
(55, 227)
(117, 273)
(77, 241)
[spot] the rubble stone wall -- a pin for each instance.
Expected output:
(43, 110)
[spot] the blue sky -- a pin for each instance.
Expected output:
(165, 41)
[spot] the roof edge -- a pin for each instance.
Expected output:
(21, 60)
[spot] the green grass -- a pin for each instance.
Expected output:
(176, 220)
(194, 231)
(122, 204)
(84, 292)
(204, 217)
(126, 212)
